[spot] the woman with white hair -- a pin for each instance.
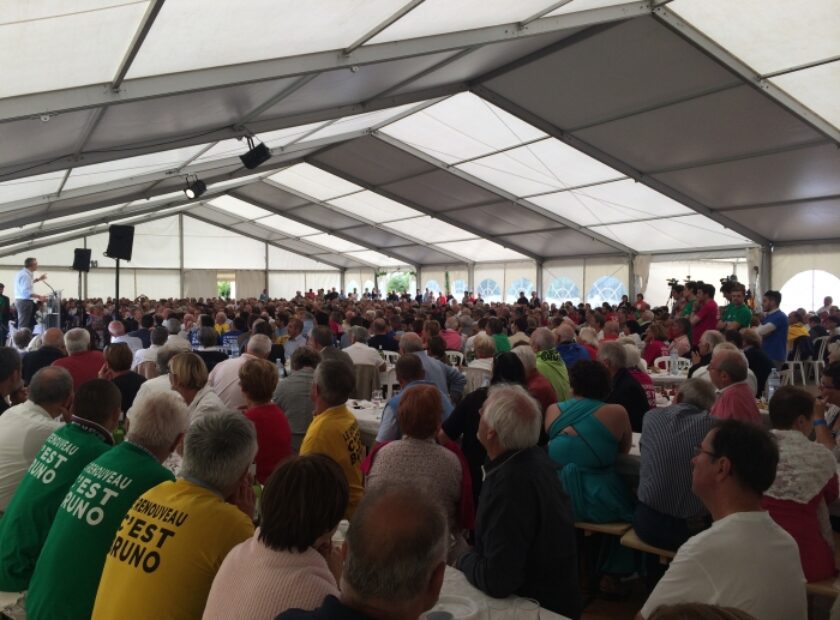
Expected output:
(635, 369)
(588, 339)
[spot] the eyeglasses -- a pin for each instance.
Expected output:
(698, 450)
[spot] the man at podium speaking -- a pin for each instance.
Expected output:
(24, 295)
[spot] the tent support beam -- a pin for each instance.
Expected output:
(145, 26)
(619, 165)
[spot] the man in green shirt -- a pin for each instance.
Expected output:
(689, 294)
(737, 314)
(27, 521)
(92, 510)
(550, 363)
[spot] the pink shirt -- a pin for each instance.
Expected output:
(708, 315)
(452, 339)
(737, 402)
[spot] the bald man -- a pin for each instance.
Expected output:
(117, 331)
(394, 560)
(52, 348)
(735, 397)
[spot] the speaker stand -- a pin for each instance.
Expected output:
(80, 286)
(117, 299)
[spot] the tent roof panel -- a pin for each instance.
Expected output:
(359, 121)
(331, 242)
(501, 219)
(286, 226)
(729, 123)
(679, 233)
(218, 36)
(371, 206)
(372, 160)
(54, 50)
(628, 67)
(584, 5)
(270, 194)
(439, 16)
(129, 167)
(759, 31)
(559, 243)
(792, 175)
(57, 135)
(440, 191)
(324, 218)
(543, 166)
(30, 187)
(460, 127)
(481, 250)
(314, 182)
(817, 87)
(239, 208)
(376, 258)
(806, 221)
(430, 230)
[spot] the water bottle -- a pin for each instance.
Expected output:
(234, 349)
(674, 363)
(774, 382)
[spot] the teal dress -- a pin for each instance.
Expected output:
(586, 469)
(586, 463)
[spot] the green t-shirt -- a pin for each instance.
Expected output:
(740, 314)
(502, 343)
(688, 308)
(27, 521)
(84, 529)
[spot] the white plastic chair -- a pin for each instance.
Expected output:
(795, 363)
(456, 358)
(818, 363)
(391, 357)
(786, 376)
(661, 363)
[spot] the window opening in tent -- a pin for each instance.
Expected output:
(520, 285)
(226, 285)
(399, 281)
(606, 288)
(369, 285)
(351, 286)
(459, 287)
(489, 290)
(433, 286)
(807, 289)
(561, 290)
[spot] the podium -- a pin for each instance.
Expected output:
(52, 316)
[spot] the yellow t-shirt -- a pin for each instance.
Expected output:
(221, 329)
(335, 432)
(166, 553)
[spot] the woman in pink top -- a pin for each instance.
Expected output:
(654, 343)
(290, 561)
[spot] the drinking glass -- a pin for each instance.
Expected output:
(527, 609)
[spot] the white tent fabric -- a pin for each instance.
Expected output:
(420, 134)
(641, 269)
(249, 283)
(200, 283)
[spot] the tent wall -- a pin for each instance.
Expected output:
(788, 261)
(708, 270)
(594, 279)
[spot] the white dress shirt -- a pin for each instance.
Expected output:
(362, 354)
(224, 379)
(23, 284)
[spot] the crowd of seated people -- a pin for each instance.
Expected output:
(177, 414)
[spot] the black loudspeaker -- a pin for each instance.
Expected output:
(120, 242)
(81, 259)
(256, 156)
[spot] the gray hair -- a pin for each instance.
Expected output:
(732, 363)
(173, 326)
(335, 381)
(588, 335)
(528, 358)
(208, 337)
(484, 345)
(543, 339)
(712, 337)
(411, 343)
(77, 340)
(698, 392)
(452, 323)
(614, 353)
(165, 355)
(359, 334)
(631, 354)
(397, 538)
(157, 421)
(259, 345)
(50, 385)
(514, 415)
(159, 335)
(218, 448)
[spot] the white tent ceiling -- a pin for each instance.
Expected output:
(426, 132)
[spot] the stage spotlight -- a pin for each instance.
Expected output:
(195, 189)
(256, 155)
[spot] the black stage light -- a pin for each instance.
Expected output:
(256, 156)
(195, 189)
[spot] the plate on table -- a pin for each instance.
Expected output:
(460, 607)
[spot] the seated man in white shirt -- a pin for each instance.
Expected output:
(158, 338)
(224, 378)
(117, 331)
(485, 351)
(360, 352)
(744, 560)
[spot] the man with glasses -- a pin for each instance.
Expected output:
(745, 560)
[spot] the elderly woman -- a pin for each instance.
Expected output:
(418, 461)
(289, 562)
(258, 380)
(806, 482)
(635, 370)
(588, 338)
(655, 342)
(462, 424)
(117, 370)
(485, 349)
(188, 377)
(701, 358)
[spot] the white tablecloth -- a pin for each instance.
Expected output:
(666, 379)
(455, 584)
(367, 415)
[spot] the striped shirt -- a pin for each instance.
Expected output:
(669, 435)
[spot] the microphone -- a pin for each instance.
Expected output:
(48, 286)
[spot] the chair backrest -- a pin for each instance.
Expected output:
(820, 345)
(803, 349)
(391, 357)
(661, 362)
(456, 358)
(786, 376)
(367, 380)
(147, 369)
(476, 378)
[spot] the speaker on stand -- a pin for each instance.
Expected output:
(120, 245)
(81, 263)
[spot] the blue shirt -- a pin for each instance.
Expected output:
(572, 352)
(448, 379)
(23, 284)
(389, 427)
(774, 344)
